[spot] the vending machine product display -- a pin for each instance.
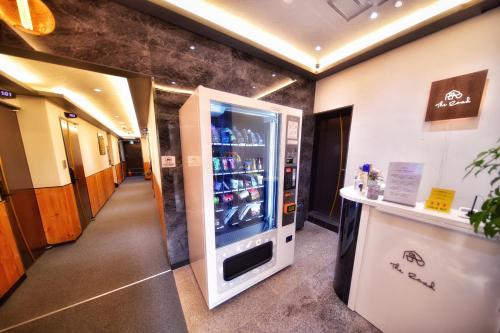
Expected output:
(240, 161)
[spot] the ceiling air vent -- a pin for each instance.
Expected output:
(349, 9)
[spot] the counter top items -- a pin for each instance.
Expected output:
(451, 220)
(440, 200)
(403, 181)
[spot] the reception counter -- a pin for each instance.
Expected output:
(416, 270)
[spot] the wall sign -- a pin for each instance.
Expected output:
(70, 115)
(456, 97)
(7, 94)
(168, 161)
(413, 258)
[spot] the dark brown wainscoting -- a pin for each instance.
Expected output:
(11, 267)
(101, 186)
(119, 173)
(59, 212)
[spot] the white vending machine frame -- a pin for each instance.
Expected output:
(196, 141)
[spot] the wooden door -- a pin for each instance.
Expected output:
(76, 171)
(133, 157)
(331, 138)
(16, 188)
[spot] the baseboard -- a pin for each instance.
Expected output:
(16, 285)
(180, 264)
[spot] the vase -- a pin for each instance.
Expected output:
(373, 191)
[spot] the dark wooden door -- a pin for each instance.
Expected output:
(331, 138)
(133, 157)
(17, 190)
(76, 171)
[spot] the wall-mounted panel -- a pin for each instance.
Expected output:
(59, 212)
(11, 267)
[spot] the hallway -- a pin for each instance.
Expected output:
(122, 247)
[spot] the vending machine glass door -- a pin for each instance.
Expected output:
(245, 157)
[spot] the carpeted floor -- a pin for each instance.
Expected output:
(123, 245)
(298, 299)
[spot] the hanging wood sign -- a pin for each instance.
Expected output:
(456, 97)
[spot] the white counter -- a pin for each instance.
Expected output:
(453, 287)
(450, 220)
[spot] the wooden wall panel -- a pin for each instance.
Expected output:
(101, 186)
(11, 267)
(119, 173)
(147, 171)
(60, 218)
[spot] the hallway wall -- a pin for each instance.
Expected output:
(114, 35)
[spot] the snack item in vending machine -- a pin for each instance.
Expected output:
(234, 184)
(228, 197)
(255, 210)
(215, 135)
(244, 134)
(216, 200)
(253, 181)
(225, 164)
(231, 163)
(254, 194)
(248, 165)
(254, 164)
(260, 141)
(216, 163)
(237, 160)
(227, 136)
(243, 195)
(260, 179)
(217, 186)
(259, 164)
(238, 135)
(226, 187)
(251, 137)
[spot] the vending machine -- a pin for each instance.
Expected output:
(240, 160)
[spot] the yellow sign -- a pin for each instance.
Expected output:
(440, 200)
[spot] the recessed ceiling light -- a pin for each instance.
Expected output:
(97, 90)
(192, 47)
(173, 82)
(398, 3)
(116, 116)
(253, 87)
(317, 48)
(273, 75)
(373, 15)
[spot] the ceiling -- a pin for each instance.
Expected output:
(106, 98)
(291, 29)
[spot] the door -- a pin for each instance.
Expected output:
(16, 188)
(245, 157)
(331, 139)
(76, 171)
(133, 157)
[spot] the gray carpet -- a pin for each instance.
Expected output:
(121, 246)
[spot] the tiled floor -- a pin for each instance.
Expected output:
(297, 299)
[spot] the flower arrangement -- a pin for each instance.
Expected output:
(374, 175)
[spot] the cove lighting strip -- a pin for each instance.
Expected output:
(280, 85)
(204, 12)
(388, 31)
(242, 28)
(174, 90)
(24, 13)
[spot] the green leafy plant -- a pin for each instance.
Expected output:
(489, 215)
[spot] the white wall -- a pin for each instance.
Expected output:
(43, 142)
(389, 95)
(93, 161)
(145, 149)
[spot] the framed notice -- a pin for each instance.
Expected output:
(102, 146)
(403, 181)
(456, 97)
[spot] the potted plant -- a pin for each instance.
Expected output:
(374, 176)
(488, 217)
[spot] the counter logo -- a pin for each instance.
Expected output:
(456, 97)
(413, 257)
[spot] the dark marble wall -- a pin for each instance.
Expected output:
(110, 34)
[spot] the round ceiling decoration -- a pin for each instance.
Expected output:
(30, 16)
